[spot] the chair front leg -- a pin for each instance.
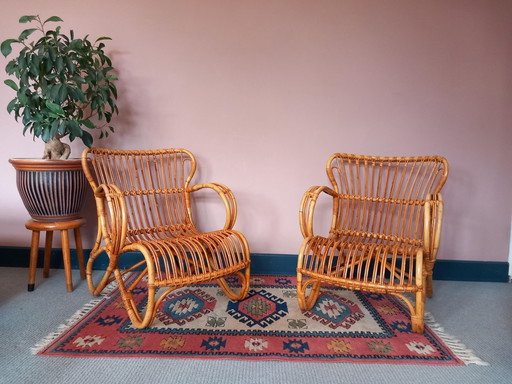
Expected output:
(307, 300)
(418, 314)
(244, 290)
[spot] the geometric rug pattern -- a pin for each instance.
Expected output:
(201, 322)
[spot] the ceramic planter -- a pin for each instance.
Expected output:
(51, 190)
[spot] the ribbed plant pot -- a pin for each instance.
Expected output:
(51, 190)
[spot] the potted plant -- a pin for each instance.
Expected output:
(64, 86)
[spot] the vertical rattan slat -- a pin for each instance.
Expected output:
(143, 200)
(385, 229)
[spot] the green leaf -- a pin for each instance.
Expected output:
(11, 84)
(63, 93)
(69, 64)
(11, 105)
(11, 67)
(26, 19)
(26, 116)
(53, 18)
(22, 61)
(113, 89)
(46, 134)
(76, 44)
(79, 80)
(74, 128)
(6, 48)
(54, 91)
(62, 127)
(24, 77)
(102, 38)
(26, 33)
(59, 65)
(34, 66)
(87, 139)
(55, 108)
(88, 123)
(53, 54)
(54, 128)
(77, 94)
(26, 127)
(22, 96)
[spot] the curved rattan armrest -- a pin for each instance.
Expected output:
(114, 223)
(433, 216)
(307, 208)
(227, 197)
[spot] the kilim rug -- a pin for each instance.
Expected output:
(201, 322)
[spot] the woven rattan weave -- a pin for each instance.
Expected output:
(384, 232)
(143, 200)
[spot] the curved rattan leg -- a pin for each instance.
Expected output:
(307, 301)
(144, 318)
(96, 287)
(416, 309)
(245, 280)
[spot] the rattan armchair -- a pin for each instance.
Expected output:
(143, 200)
(384, 232)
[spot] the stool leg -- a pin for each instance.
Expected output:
(47, 253)
(80, 252)
(67, 260)
(34, 248)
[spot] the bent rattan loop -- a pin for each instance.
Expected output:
(143, 201)
(384, 233)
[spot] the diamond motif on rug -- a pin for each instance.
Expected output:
(185, 306)
(335, 311)
(260, 308)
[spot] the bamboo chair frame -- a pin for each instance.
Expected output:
(384, 232)
(143, 201)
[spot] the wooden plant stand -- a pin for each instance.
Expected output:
(63, 226)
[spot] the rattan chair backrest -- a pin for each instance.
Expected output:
(383, 197)
(153, 184)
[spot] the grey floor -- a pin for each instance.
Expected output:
(479, 314)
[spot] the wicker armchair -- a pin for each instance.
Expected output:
(384, 232)
(143, 201)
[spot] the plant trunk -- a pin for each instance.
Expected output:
(54, 149)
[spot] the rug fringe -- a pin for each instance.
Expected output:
(459, 349)
(45, 341)
(79, 315)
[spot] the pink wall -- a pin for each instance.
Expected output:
(264, 91)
